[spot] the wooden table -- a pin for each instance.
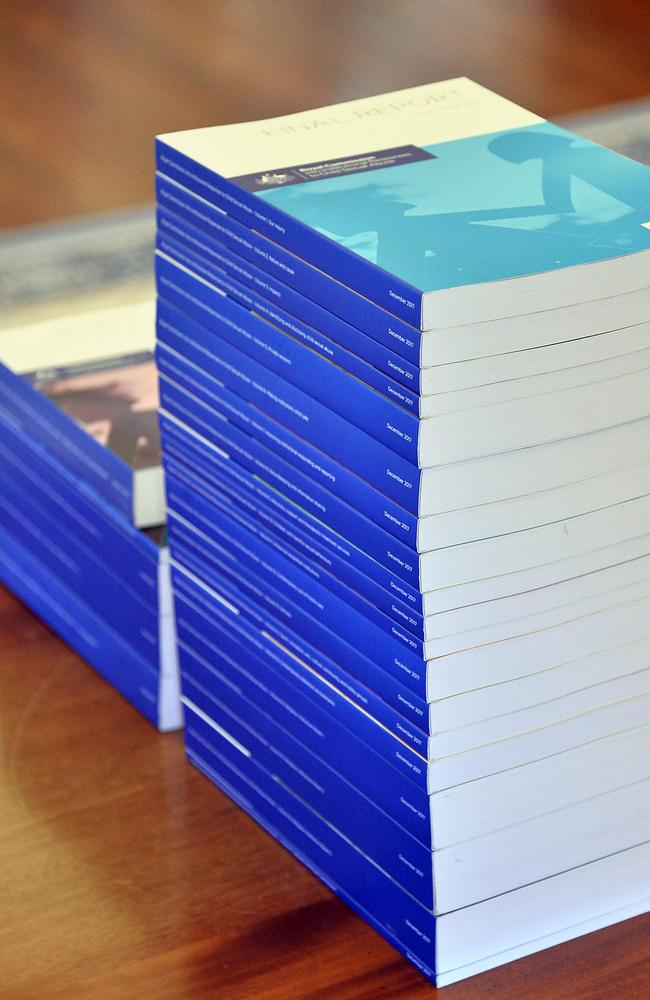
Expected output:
(124, 874)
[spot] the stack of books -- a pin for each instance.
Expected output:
(404, 373)
(82, 540)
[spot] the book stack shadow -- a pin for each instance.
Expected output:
(409, 509)
(82, 538)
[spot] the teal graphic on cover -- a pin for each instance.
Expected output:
(490, 207)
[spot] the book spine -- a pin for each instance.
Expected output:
(397, 706)
(220, 521)
(284, 416)
(208, 312)
(214, 625)
(388, 292)
(257, 408)
(325, 548)
(368, 890)
(80, 512)
(190, 492)
(176, 234)
(285, 330)
(221, 424)
(350, 812)
(79, 569)
(84, 630)
(27, 409)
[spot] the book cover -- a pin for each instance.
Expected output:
(439, 187)
(92, 400)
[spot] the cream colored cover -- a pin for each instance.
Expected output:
(80, 338)
(419, 116)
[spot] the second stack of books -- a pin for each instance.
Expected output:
(405, 394)
(82, 536)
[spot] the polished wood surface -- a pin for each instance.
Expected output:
(126, 874)
(86, 86)
(123, 872)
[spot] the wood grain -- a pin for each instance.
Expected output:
(86, 86)
(124, 873)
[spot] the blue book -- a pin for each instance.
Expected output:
(218, 623)
(220, 470)
(456, 362)
(458, 435)
(443, 204)
(384, 327)
(303, 710)
(271, 687)
(304, 382)
(152, 690)
(346, 870)
(453, 763)
(464, 875)
(69, 505)
(229, 424)
(79, 568)
(215, 524)
(91, 402)
(257, 306)
(176, 235)
(185, 490)
(359, 437)
(455, 944)
(400, 709)
(227, 485)
(352, 813)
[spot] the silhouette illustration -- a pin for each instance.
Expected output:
(442, 249)
(562, 160)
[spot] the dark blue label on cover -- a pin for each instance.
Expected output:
(326, 169)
